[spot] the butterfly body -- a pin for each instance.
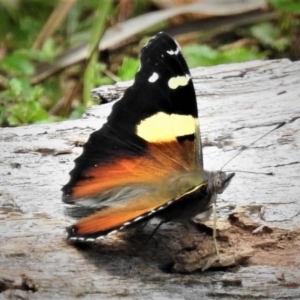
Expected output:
(147, 159)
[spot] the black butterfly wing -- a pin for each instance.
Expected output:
(147, 154)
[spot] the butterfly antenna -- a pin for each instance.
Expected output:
(251, 172)
(244, 148)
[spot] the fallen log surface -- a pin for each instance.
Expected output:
(258, 215)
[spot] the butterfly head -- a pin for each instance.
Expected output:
(218, 181)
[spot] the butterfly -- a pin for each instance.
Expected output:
(146, 161)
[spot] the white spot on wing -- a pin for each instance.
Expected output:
(90, 240)
(153, 77)
(175, 82)
(172, 52)
(112, 232)
(160, 208)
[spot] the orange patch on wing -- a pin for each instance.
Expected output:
(114, 217)
(161, 161)
(105, 177)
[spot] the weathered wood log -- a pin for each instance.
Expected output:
(237, 104)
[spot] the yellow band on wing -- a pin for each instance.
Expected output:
(163, 127)
(177, 81)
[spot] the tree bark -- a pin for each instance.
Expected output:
(258, 215)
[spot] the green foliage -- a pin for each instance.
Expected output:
(21, 103)
(98, 28)
(77, 112)
(269, 35)
(21, 21)
(288, 6)
(128, 68)
(17, 64)
(21, 62)
(204, 55)
(99, 78)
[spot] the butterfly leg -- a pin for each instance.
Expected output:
(154, 231)
(215, 230)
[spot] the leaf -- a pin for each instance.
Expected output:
(36, 55)
(26, 113)
(199, 55)
(269, 35)
(2, 114)
(128, 69)
(289, 6)
(204, 55)
(17, 64)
